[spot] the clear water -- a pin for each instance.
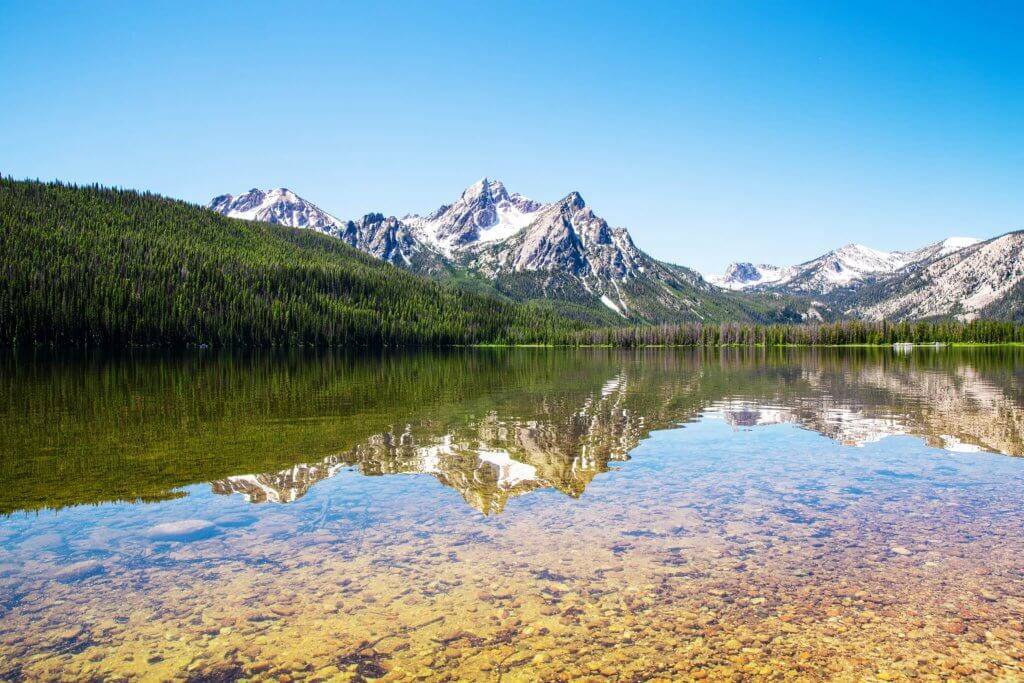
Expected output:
(514, 515)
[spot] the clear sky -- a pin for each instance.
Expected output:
(714, 131)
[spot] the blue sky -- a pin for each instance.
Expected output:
(714, 131)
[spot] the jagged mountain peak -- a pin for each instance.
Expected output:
(484, 212)
(493, 190)
(567, 239)
(375, 217)
(277, 205)
(574, 199)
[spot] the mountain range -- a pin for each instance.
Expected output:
(847, 266)
(503, 244)
(565, 255)
(958, 277)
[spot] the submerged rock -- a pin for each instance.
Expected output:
(79, 570)
(236, 521)
(184, 530)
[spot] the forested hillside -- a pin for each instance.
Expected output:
(90, 266)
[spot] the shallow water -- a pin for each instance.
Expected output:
(514, 515)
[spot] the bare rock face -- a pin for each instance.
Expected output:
(389, 239)
(979, 280)
(568, 235)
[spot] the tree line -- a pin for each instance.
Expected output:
(825, 334)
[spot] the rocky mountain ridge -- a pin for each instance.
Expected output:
(564, 254)
(848, 266)
(982, 280)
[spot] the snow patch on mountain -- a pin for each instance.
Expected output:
(280, 206)
(848, 266)
(611, 304)
(485, 212)
(746, 275)
(940, 249)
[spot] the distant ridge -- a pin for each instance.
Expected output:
(847, 266)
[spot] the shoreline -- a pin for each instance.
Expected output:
(895, 346)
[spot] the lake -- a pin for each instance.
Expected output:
(513, 515)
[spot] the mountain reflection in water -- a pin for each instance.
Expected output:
(490, 424)
(648, 515)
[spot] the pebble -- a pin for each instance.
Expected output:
(956, 627)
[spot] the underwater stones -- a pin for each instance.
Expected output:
(955, 627)
(184, 531)
(79, 571)
(70, 632)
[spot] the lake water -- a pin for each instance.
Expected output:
(514, 515)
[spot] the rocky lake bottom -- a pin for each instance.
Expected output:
(515, 516)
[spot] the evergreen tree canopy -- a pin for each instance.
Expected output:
(91, 266)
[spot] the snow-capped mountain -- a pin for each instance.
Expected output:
(568, 249)
(387, 238)
(562, 252)
(568, 234)
(983, 279)
(569, 253)
(505, 244)
(749, 275)
(939, 249)
(850, 266)
(485, 212)
(280, 206)
(958, 276)
(843, 267)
